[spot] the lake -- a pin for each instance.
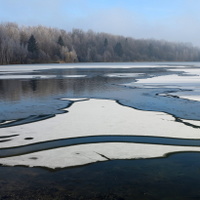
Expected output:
(100, 131)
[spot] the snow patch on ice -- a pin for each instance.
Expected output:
(85, 154)
(123, 75)
(189, 84)
(91, 118)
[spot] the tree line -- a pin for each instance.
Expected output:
(40, 44)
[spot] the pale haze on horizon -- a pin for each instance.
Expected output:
(171, 20)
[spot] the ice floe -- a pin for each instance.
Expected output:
(92, 118)
(74, 76)
(100, 117)
(26, 76)
(189, 84)
(34, 67)
(85, 154)
(168, 81)
(16, 76)
(123, 75)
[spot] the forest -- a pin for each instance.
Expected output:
(40, 44)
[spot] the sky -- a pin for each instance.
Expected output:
(171, 20)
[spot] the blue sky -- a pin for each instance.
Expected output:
(173, 20)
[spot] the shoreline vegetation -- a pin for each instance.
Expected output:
(40, 44)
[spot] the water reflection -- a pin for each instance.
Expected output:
(15, 90)
(41, 96)
(94, 81)
(21, 98)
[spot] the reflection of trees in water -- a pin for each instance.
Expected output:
(10, 90)
(94, 82)
(33, 84)
(14, 90)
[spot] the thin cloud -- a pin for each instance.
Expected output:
(115, 17)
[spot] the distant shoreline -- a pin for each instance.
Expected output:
(40, 44)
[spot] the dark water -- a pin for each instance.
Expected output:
(25, 100)
(176, 177)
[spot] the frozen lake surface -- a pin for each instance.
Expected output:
(64, 115)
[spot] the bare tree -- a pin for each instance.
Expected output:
(40, 44)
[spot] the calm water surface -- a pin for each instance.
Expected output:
(175, 177)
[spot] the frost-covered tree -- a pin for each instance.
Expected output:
(105, 42)
(32, 45)
(118, 49)
(60, 41)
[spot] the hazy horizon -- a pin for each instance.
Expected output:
(176, 21)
